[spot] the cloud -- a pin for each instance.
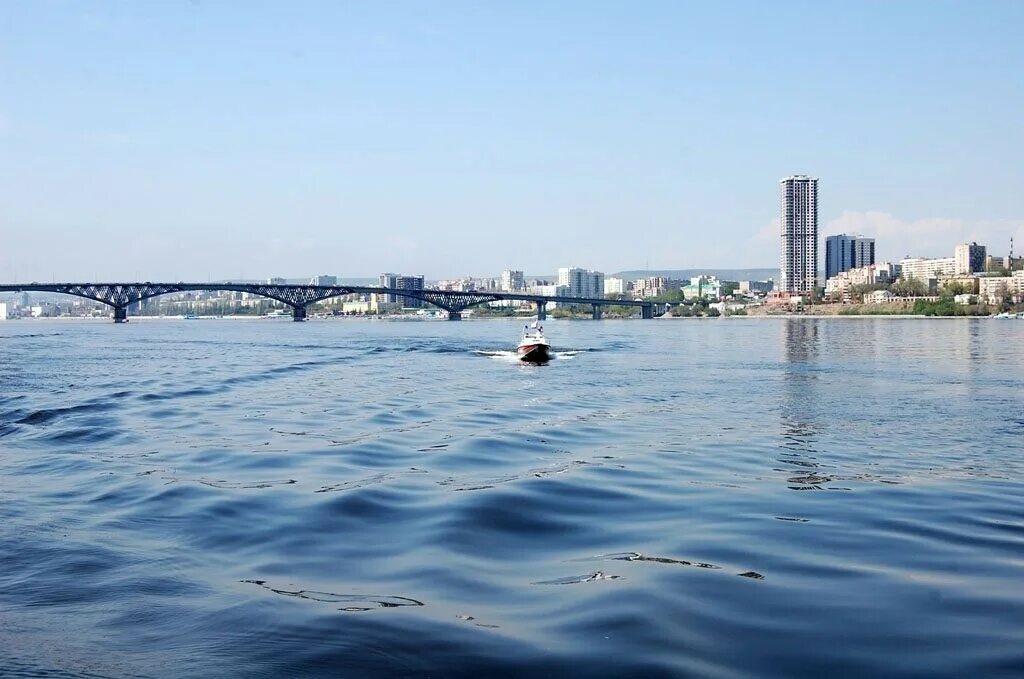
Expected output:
(928, 237)
(770, 231)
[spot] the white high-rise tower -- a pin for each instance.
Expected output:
(799, 264)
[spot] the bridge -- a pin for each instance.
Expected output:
(119, 296)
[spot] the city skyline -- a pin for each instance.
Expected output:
(194, 141)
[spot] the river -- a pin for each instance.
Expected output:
(718, 497)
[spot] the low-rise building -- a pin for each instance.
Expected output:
(727, 307)
(883, 273)
(883, 296)
(755, 287)
(994, 289)
(877, 297)
(966, 284)
(360, 306)
(706, 287)
(781, 298)
(965, 299)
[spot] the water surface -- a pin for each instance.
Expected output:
(731, 497)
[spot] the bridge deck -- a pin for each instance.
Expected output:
(121, 295)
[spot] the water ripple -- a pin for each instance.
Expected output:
(665, 499)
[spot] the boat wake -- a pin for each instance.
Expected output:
(513, 357)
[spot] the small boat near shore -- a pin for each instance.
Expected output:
(534, 346)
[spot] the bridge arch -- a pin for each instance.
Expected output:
(120, 296)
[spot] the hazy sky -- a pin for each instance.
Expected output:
(180, 140)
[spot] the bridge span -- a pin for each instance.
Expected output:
(119, 296)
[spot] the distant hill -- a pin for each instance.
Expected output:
(721, 274)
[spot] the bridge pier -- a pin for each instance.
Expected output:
(542, 311)
(597, 311)
(454, 315)
(120, 314)
(647, 311)
(298, 313)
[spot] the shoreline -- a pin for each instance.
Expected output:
(896, 317)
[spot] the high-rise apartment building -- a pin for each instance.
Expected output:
(512, 280)
(615, 286)
(970, 258)
(581, 282)
(844, 252)
(799, 264)
(324, 279)
(924, 268)
(400, 282)
(410, 283)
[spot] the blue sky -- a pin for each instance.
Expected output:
(224, 139)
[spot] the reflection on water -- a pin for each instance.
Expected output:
(384, 499)
(800, 400)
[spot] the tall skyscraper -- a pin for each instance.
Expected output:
(799, 264)
(843, 253)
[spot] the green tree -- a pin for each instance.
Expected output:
(909, 287)
(857, 292)
(954, 288)
(675, 295)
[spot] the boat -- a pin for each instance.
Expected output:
(534, 347)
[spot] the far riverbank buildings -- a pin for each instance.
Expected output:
(581, 282)
(400, 282)
(799, 263)
(844, 252)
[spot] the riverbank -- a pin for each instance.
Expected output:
(944, 308)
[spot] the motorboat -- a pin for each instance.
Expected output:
(534, 347)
